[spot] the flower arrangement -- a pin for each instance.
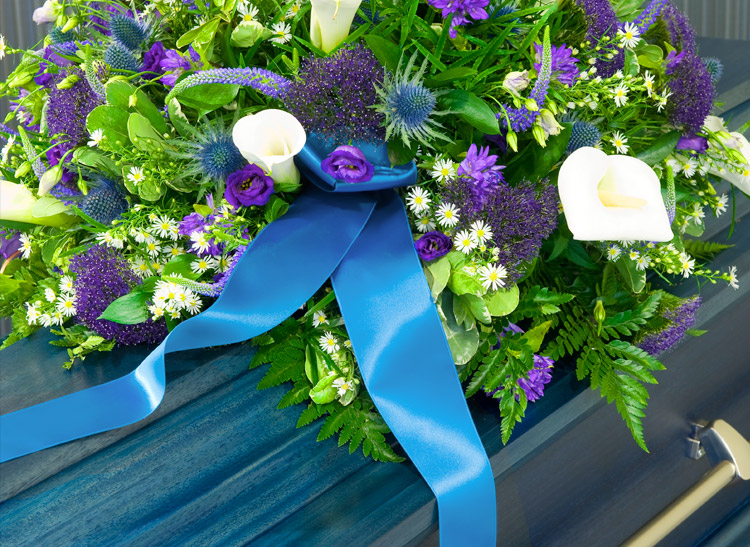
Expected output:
(565, 155)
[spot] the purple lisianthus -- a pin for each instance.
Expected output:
(693, 142)
(248, 186)
(10, 243)
(433, 245)
(152, 60)
(348, 163)
(564, 68)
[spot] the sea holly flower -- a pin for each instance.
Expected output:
(271, 138)
(330, 21)
(248, 186)
(612, 198)
(348, 163)
(433, 245)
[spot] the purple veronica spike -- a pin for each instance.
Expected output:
(211, 289)
(649, 15)
(680, 318)
(521, 119)
(32, 156)
(264, 81)
(5, 129)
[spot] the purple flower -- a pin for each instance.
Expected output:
(649, 15)
(248, 186)
(692, 94)
(693, 142)
(602, 21)
(680, 30)
(174, 63)
(194, 222)
(67, 110)
(538, 377)
(433, 245)
(10, 243)
(348, 164)
(479, 166)
(673, 59)
(460, 10)
(679, 319)
(564, 68)
(152, 60)
(102, 276)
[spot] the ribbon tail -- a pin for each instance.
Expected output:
(408, 369)
(288, 261)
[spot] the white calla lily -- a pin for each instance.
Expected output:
(608, 198)
(271, 138)
(17, 203)
(330, 21)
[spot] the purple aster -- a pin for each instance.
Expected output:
(564, 68)
(679, 319)
(331, 99)
(461, 10)
(692, 94)
(602, 21)
(348, 164)
(102, 276)
(433, 245)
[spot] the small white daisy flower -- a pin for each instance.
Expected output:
(629, 36)
(193, 304)
(418, 199)
(328, 343)
(165, 227)
(248, 12)
(425, 224)
(481, 231)
(66, 284)
(153, 248)
(733, 281)
(641, 263)
(613, 252)
(97, 136)
(140, 268)
(136, 176)
(174, 250)
(687, 264)
(319, 318)
(3, 47)
(342, 385)
(620, 142)
(661, 102)
(32, 313)
(200, 242)
(157, 267)
(620, 93)
(293, 10)
(66, 305)
(648, 81)
(282, 33)
(721, 204)
(464, 242)
(447, 214)
(443, 169)
(202, 264)
(142, 236)
(25, 249)
(157, 312)
(50, 295)
(492, 276)
(633, 254)
(688, 167)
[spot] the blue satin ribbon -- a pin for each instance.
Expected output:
(363, 242)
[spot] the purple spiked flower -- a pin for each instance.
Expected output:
(602, 21)
(692, 94)
(679, 318)
(261, 80)
(649, 15)
(564, 68)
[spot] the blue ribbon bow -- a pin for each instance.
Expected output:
(358, 235)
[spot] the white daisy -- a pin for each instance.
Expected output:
(248, 12)
(202, 264)
(447, 214)
(620, 94)
(613, 252)
(629, 36)
(492, 276)
(57, 318)
(97, 136)
(443, 169)
(142, 236)
(66, 305)
(721, 204)
(157, 312)
(633, 254)
(153, 248)
(425, 224)
(174, 250)
(661, 102)
(319, 318)
(620, 142)
(648, 81)
(293, 10)
(157, 267)
(193, 304)
(165, 227)
(200, 242)
(348, 344)
(328, 343)
(282, 33)
(641, 263)
(464, 242)
(140, 268)
(25, 245)
(32, 314)
(3, 47)
(66, 284)
(6, 149)
(688, 167)
(417, 199)
(733, 282)
(480, 231)
(136, 176)
(342, 385)
(50, 295)
(45, 320)
(686, 264)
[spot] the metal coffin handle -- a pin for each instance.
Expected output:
(730, 453)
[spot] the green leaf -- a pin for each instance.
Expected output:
(119, 94)
(150, 190)
(95, 159)
(130, 309)
(462, 283)
(462, 313)
(399, 153)
(208, 97)
(472, 110)
(202, 210)
(502, 302)
(704, 250)
(113, 122)
(178, 119)
(535, 162)
(385, 51)
(200, 35)
(662, 147)
(180, 265)
(634, 279)
(477, 306)
(441, 272)
(576, 253)
(48, 206)
(8, 285)
(451, 75)
(536, 335)
(275, 208)
(463, 343)
(143, 135)
(695, 230)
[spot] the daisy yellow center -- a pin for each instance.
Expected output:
(175, 252)
(480, 233)
(466, 242)
(746, 173)
(143, 267)
(449, 214)
(248, 17)
(620, 93)
(445, 171)
(68, 304)
(629, 35)
(618, 142)
(202, 264)
(330, 342)
(493, 276)
(425, 221)
(418, 200)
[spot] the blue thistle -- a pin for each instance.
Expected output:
(714, 67)
(57, 36)
(105, 202)
(212, 154)
(583, 134)
(409, 106)
(119, 58)
(128, 31)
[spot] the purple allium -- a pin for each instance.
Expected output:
(332, 99)
(102, 276)
(248, 186)
(679, 319)
(693, 142)
(602, 21)
(680, 30)
(460, 10)
(67, 110)
(10, 243)
(152, 61)
(521, 217)
(433, 245)
(692, 94)
(51, 57)
(564, 68)
(348, 164)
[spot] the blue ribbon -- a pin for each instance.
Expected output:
(363, 242)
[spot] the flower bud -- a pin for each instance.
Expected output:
(68, 82)
(600, 315)
(23, 170)
(132, 100)
(548, 122)
(50, 178)
(531, 105)
(47, 13)
(512, 139)
(539, 135)
(516, 82)
(71, 24)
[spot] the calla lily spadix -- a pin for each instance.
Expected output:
(607, 198)
(330, 21)
(271, 138)
(17, 203)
